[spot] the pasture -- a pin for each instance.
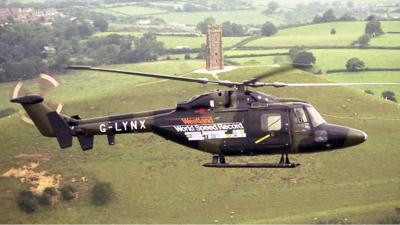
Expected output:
(251, 16)
(194, 42)
(131, 10)
(369, 77)
(319, 35)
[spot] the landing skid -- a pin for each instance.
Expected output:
(219, 162)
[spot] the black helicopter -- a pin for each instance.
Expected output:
(236, 122)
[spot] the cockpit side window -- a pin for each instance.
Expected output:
(302, 123)
(316, 118)
(271, 122)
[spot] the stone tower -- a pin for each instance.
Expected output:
(214, 49)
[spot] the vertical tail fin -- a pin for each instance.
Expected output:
(37, 111)
(48, 122)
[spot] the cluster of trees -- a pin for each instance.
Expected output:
(233, 29)
(27, 201)
(271, 8)
(31, 48)
(189, 7)
(329, 16)
(203, 25)
(372, 29)
(115, 48)
(22, 50)
(228, 29)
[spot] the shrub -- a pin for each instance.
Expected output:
(369, 92)
(45, 199)
(50, 191)
(354, 64)
(187, 56)
(27, 202)
(301, 58)
(68, 192)
(389, 95)
(363, 40)
(268, 29)
(333, 31)
(101, 193)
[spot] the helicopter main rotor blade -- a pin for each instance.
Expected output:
(273, 72)
(281, 84)
(154, 75)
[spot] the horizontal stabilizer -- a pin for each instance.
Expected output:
(28, 100)
(61, 130)
(86, 141)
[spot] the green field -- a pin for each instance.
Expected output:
(131, 10)
(328, 59)
(194, 42)
(236, 16)
(386, 40)
(250, 52)
(319, 34)
(176, 41)
(369, 77)
(157, 181)
(101, 34)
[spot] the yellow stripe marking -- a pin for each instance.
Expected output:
(263, 138)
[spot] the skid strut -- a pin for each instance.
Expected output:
(218, 161)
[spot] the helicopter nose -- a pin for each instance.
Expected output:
(355, 137)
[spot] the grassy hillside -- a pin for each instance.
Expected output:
(253, 16)
(369, 77)
(319, 34)
(328, 59)
(157, 181)
(386, 40)
(131, 10)
(336, 59)
(194, 42)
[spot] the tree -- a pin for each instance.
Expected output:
(203, 26)
(68, 192)
(333, 31)
(369, 92)
(272, 7)
(60, 61)
(317, 19)
(350, 4)
(389, 95)
(347, 17)
(232, 29)
(85, 29)
(373, 27)
(328, 16)
(301, 58)
(101, 24)
(370, 18)
(146, 48)
(268, 29)
(187, 56)
(354, 64)
(363, 40)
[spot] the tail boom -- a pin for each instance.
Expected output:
(52, 124)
